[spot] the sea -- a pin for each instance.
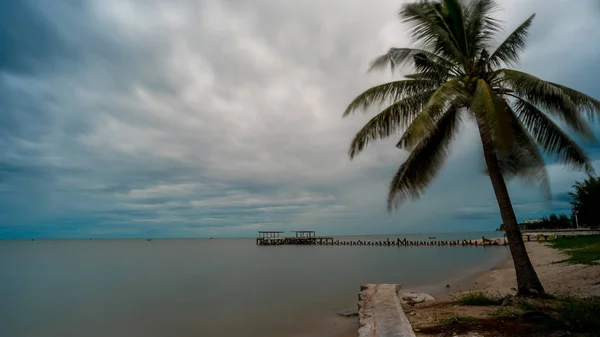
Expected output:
(211, 287)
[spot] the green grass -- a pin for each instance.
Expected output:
(580, 314)
(458, 319)
(583, 249)
(507, 312)
(572, 313)
(556, 315)
(478, 298)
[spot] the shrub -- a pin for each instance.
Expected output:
(580, 314)
(478, 298)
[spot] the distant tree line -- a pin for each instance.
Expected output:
(584, 209)
(552, 221)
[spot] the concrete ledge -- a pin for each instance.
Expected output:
(380, 313)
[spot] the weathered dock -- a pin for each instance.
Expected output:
(273, 238)
(269, 238)
(266, 238)
(380, 313)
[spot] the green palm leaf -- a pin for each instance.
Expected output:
(449, 94)
(389, 92)
(396, 58)
(547, 96)
(480, 26)
(550, 137)
(453, 16)
(422, 76)
(431, 68)
(393, 119)
(424, 161)
(525, 159)
(583, 102)
(430, 29)
(491, 114)
(508, 52)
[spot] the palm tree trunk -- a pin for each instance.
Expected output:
(528, 282)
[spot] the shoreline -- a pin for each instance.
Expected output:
(557, 277)
(470, 281)
(480, 280)
(464, 279)
(564, 278)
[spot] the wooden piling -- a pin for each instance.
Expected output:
(309, 238)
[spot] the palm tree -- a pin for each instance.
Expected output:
(459, 75)
(585, 202)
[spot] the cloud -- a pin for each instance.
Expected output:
(216, 118)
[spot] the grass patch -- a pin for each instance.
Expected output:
(572, 313)
(583, 249)
(507, 312)
(549, 296)
(580, 314)
(457, 319)
(478, 298)
(555, 315)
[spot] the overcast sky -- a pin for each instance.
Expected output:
(205, 118)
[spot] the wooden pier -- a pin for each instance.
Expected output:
(301, 238)
(273, 238)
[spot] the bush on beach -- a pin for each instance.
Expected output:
(478, 298)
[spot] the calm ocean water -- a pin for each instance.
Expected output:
(203, 287)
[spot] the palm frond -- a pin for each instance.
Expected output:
(523, 163)
(420, 76)
(389, 92)
(424, 162)
(490, 112)
(480, 26)
(453, 14)
(430, 68)
(430, 29)
(508, 52)
(583, 102)
(525, 159)
(547, 96)
(450, 94)
(550, 137)
(393, 119)
(396, 58)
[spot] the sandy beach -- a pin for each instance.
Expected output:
(557, 278)
(563, 278)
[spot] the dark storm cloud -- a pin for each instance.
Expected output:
(220, 118)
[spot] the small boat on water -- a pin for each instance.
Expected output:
(432, 238)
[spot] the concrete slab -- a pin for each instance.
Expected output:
(380, 313)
